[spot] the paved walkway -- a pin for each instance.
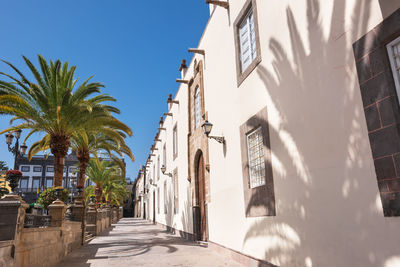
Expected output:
(135, 242)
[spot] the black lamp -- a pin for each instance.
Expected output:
(164, 169)
(207, 127)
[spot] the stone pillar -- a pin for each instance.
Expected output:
(77, 209)
(91, 218)
(114, 215)
(120, 213)
(57, 213)
(108, 217)
(12, 217)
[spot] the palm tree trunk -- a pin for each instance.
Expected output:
(59, 162)
(59, 145)
(99, 193)
(83, 158)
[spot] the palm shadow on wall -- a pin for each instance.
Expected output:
(309, 120)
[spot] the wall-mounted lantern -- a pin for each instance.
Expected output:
(207, 127)
(164, 169)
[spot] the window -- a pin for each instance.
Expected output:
(175, 141)
(165, 197)
(256, 161)
(35, 183)
(50, 169)
(258, 182)
(25, 168)
(197, 107)
(154, 172)
(23, 184)
(49, 182)
(159, 167)
(164, 156)
(176, 192)
(248, 53)
(247, 37)
(72, 169)
(393, 49)
(37, 169)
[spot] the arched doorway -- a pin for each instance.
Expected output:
(200, 208)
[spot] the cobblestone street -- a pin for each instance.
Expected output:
(135, 242)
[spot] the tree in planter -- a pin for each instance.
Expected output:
(54, 105)
(49, 195)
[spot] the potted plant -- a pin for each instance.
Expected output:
(13, 177)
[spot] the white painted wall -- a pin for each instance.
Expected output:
(328, 207)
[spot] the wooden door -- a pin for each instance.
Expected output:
(202, 199)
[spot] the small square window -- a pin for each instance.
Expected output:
(25, 168)
(37, 169)
(393, 49)
(50, 169)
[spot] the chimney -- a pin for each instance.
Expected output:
(183, 68)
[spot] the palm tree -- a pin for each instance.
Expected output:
(102, 173)
(55, 106)
(104, 139)
(115, 190)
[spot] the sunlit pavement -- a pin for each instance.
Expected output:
(135, 242)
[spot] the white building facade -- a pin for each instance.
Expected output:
(304, 94)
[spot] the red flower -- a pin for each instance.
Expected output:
(14, 172)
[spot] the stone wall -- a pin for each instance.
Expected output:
(36, 243)
(45, 246)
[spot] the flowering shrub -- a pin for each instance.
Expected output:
(14, 172)
(49, 195)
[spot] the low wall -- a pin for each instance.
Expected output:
(47, 246)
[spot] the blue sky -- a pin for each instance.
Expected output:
(133, 47)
